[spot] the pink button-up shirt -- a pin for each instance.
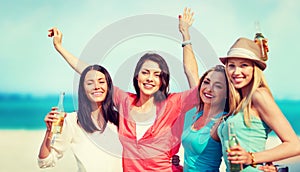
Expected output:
(153, 152)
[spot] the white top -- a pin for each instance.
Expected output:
(142, 127)
(93, 152)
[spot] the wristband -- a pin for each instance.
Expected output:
(184, 43)
(253, 163)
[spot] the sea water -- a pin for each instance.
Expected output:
(19, 111)
(28, 111)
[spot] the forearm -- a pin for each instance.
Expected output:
(48, 155)
(73, 61)
(45, 147)
(275, 119)
(189, 62)
(280, 152)
(190, 66)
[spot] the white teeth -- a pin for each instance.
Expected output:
(148, 85)
(97, 94)
(238, 79)
(208, 95)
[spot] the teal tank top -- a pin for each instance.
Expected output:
(252, 139)
(201, 151)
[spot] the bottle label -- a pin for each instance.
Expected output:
(57, 125)
(262, 43)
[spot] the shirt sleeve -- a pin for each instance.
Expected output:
(50, 160)
(61, 144)
(189, 99)
(119, 96)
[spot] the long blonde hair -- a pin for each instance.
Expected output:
(244, 103)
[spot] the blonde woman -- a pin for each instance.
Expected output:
(256, 112)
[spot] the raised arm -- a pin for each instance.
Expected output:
(73, 61)
(189, 62)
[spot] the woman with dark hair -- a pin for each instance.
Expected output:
(96, 117)
(151, 121)
(164, 75)
(85, 107)
(202, 147)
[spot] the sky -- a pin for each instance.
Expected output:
(115, 33)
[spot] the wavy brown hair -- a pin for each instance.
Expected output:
(230, 103)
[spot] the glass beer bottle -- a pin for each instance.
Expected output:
(56, 126)
(261, 41)
(233, 141)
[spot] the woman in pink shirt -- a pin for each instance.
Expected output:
(151, 120)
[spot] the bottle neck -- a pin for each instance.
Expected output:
(60, 104)
(231, 131)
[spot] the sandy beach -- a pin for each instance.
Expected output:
(19, 150)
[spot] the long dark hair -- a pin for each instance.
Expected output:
(164, 76)
(84, 104)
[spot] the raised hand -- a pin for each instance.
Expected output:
(189, 61)
(57, 36)
(72, 60)
(185, 21)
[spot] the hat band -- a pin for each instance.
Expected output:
(241, 52)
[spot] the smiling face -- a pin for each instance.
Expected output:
(213, 88)
(95, 86)
(240, 71)
(148, 78)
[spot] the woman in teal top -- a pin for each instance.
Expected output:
(253, 138)
(201, 150)
(256, 111)
(202, 147)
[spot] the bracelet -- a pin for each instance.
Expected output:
(253, 163)
(184, 43)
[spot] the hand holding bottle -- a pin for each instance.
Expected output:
(238, 155)
(55, 119)
(57, 125)
(233, 156)
(51, 118)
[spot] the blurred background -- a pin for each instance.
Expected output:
(34, 73)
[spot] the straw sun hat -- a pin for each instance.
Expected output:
(246, 49)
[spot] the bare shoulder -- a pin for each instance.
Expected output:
(264, 103)
(261, 96)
